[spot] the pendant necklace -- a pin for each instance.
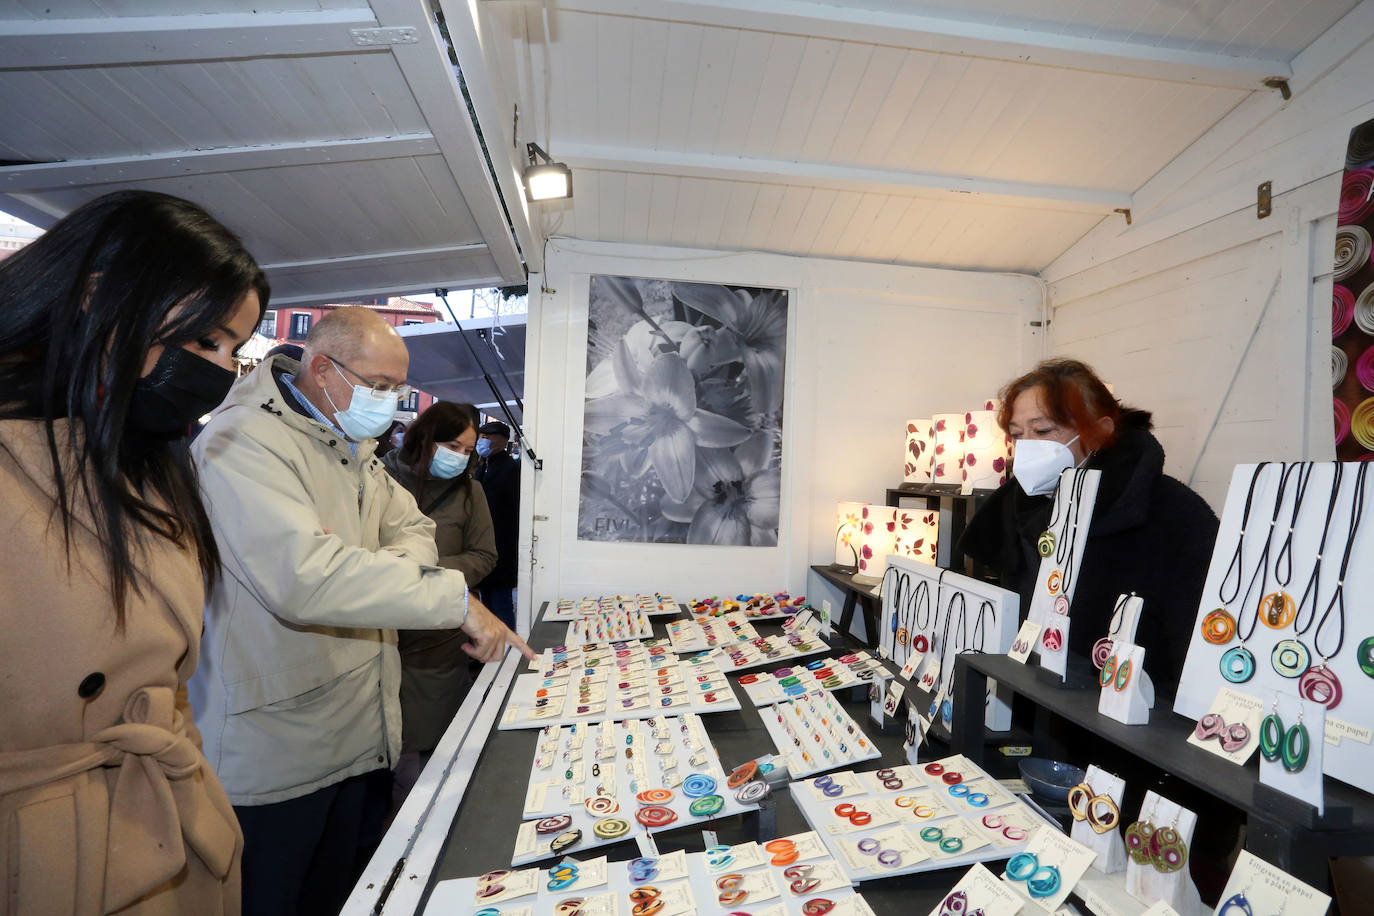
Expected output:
(940, 703)
(1219, 626)
(1066, 545)
(1277, 606)
(1044, 545)
(1102, 649)
(1319, 683)
(1291, 657)
(986, 611)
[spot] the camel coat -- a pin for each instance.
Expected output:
(106, 801)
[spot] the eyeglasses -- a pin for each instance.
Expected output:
(379, 390)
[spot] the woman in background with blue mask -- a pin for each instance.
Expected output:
(1150, 534)
(435, 463)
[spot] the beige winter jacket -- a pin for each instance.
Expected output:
(324, 556)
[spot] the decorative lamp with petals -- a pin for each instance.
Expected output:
(948, 460)
(916, 534)
(848, 522)
(920, 447)
(987, 452)
(877, 539)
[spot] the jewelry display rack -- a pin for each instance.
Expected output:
(1061, 555)
(652, 605)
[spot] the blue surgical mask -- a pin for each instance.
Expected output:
(484, 447)
(446, 463)
(366, 416)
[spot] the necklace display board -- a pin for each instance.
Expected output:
(1281, 607)
(1061, 555)
(935, 614)
(720, 880)
(941, 829)
(638, 775)
(819, 674)
(698, 634)
(777, 606)
(654, 605)
(631, 680)
(766, 650)
(609, 626)
(1158, 845)
(813, 734)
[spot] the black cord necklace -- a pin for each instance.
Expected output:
(1275, 608)
(986, 611)
(1284, 561)
(1319, 684)
(1044, 545)
(1235, 564)
(1102, 649)
(1067, 545)
(1313, 588)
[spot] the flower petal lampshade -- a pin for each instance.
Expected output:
(916, 534)
(920, 447)
(949, 449)
(877, 539)
(848, 521)
(987, 452)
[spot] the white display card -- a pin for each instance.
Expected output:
(653, 605)
(1146, 883)
(852, 670)
(1132, 704)
(1269, 890)
(1108, 847)
(809, 846)
(590, 874)
(701, 633)
(986, 617)
(1161, 908)
(972, 840)
(1234, 707)
(896, 840)
(1347, 761)
(981, 891)
(919, 808)
(848, 782)
(892, 697)
(1306, 783)
(881, 816)
(813, 733)
(903, 779)
(766, 650)
(1070, 520)
(1025, 641)
(519, 883)
(603, 627)
(1050, 847)
(671, 867)
(1013, 818)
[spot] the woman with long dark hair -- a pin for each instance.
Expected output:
(118, 329)
(435, 464)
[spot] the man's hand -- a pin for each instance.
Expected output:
(489, 635)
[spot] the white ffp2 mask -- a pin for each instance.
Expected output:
(1039, 462)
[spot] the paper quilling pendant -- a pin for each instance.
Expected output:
(1044, 545)
(1218, 627)
(1237, 665)
(1320, 685)
(1365, 656)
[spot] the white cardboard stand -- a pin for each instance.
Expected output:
(1042, 601)
(1111, 851)
(1131, 705)
(1146, 883)
(1306, 783)
(1271, 890)
(1130, 618)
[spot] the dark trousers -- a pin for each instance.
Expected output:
(501, 602)
(303, 856)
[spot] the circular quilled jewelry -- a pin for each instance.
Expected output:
(1237, 665)
(1365, 656)
(1290, 658)
(1218, 627)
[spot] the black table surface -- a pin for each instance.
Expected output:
(483, 832)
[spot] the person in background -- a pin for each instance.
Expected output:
(118, 329)
(326, 555)
(391, 439)
(500, 479)
(435, 463)
(1149, 534)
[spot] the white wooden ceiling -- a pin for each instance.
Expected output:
(987, 134)
(331, 134)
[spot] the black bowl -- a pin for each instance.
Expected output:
(1050, 778)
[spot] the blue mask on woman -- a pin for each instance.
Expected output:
(446, 463)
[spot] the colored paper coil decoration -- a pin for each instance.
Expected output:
(1342, 309)
(1340, 364)
(1356, 205)
(1364, 369)
(1341, 415)
(1362, 423)
(1352, 251)
(1364, 307)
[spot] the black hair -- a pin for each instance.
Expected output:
(82, 306)
(443, 421)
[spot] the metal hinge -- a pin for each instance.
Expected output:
(385, 35)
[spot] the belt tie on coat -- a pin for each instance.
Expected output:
(159, 803)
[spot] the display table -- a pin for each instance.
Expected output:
(462, 818)
(1282, 830)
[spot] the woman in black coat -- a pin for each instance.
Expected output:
(1150, 534)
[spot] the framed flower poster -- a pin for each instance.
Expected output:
(683, 412)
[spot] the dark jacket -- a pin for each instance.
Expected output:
(500, 477)
(1150, 535)
(433, 663)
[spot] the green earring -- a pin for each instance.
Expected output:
(1271, 735)
(1296, 745)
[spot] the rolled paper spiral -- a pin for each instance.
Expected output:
(1352, 251)
(1340, 415)
(1364, 310)
(1342, 309)
(1362, 423)
(1360, 151)
(1364, 369)
(1340, 364)
(1355, 203)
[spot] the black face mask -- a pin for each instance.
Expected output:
(181, 388)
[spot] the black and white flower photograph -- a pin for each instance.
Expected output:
(682, 439)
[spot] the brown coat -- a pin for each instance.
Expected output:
(106, 802)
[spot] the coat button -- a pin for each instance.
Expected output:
(381, 759)
(91, 685)
(343, 461)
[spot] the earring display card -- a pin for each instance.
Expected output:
(1046, 872)
(1282, 613)
(1126, 692)
(1025, 641)
(702, 633)
(765, 650)
(1231, 728)
(1294, 765)
(653, 605)
(819, 674)
(1158, 844)
(777, 606)
(1096, 811)
(1267, 889)
(813, 734)
(625, 680)
(608, 627)
(881, 854)
(979, 890)
(1061, 554)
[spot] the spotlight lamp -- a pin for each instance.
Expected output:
(544, 178)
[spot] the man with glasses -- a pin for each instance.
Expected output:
(325, 556)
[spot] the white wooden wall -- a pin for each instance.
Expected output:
(1214, 319)
(869, 347)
